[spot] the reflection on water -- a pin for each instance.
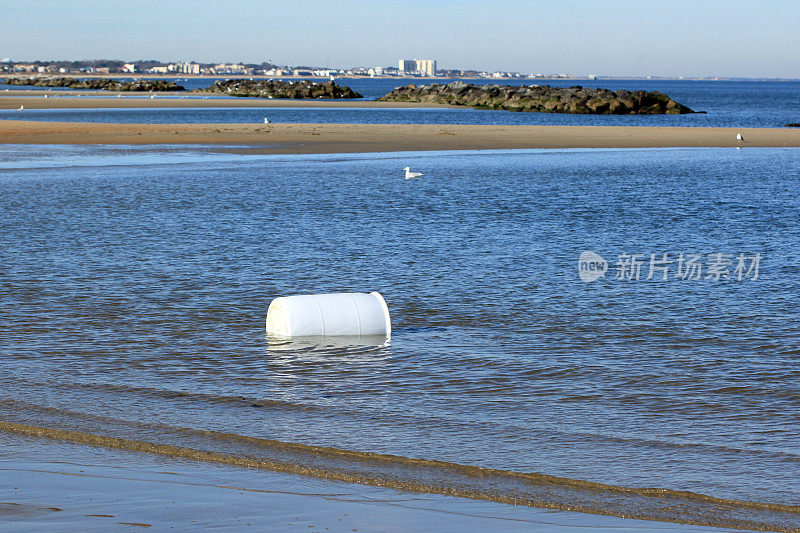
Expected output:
(339, 345)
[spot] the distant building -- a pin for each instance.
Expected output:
(188, 68)
(129, 67)
(231, 68)
(421, 67)
(426, 67)
(408, 65)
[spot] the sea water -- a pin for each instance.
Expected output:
(761, 104)
(134, 291)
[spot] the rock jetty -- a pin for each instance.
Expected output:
(280, 89)
(540, 98)
(97, 84)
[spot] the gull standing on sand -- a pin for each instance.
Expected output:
(410, 174)
(266, 120)
(739, 137)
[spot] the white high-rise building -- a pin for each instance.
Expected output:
(188, 68)
(424, 67)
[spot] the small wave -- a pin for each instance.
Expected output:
(438, 477)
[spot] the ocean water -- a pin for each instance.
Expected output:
(135, 283)
(764, 104)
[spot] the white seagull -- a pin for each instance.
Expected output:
(21, 108)
(410, 174)
(739, 137)
(266, 120)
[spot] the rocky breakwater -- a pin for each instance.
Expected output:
(97, 84)
(540, 98)
(280, 89)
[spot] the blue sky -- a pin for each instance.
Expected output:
(724, 38)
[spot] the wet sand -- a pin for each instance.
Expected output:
(56, 486)
(359, 138)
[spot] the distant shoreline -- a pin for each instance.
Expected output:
(398, 78)
(363, 138)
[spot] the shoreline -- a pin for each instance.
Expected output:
(58, 486)
(569, 77)
(363, 138)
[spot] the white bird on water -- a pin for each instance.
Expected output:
(410, 174)
(21, 108)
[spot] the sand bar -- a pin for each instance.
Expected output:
(109, 100)
(359, 138)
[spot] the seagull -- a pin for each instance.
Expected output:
(21, 108)
(410, 174)
(266, 120)
(739, 137)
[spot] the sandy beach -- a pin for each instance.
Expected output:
(359, 138)
(339, 138)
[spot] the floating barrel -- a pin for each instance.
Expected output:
(326, 315)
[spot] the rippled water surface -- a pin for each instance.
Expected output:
(136, 294)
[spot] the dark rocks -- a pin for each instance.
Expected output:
(300, 89)
(540, 98)
(98, 84)
(792, 125)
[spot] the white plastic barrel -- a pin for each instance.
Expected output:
(345, 313)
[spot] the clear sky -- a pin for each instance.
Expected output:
(612, 37)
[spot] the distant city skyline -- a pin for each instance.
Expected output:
(624, 38)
